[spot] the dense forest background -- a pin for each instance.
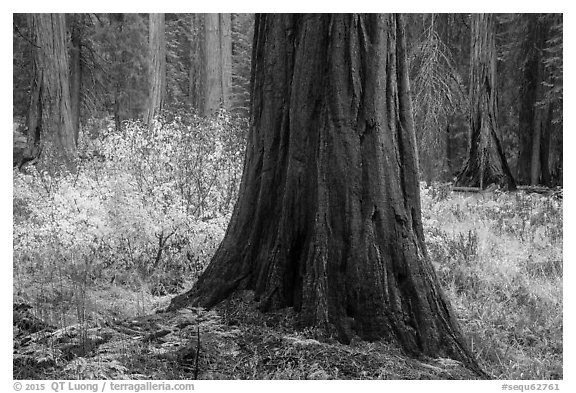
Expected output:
(131, 136)
(111, 63)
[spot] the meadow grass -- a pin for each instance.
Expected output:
(499, 258)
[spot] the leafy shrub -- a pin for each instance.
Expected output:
(146, 210)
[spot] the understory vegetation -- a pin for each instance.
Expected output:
(98, 252)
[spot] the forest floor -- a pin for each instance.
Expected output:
(97, 254)
(236, 342)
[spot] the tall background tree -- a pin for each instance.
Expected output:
(534, 47)
(242, 35)
(328, 216)
(75, 27)
(211, 73)
(51, 134)
(486, 162)
(157, 55)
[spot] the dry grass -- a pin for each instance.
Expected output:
(499, 257)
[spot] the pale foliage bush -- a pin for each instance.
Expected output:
(146, 209)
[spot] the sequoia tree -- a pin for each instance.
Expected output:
(328, 216)
(157, 47)
(211, 68)
(50, 125)
(535, 113)
(486, 163)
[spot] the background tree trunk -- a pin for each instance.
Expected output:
(196, 85)
(537, 127)
(226, 56)
(328, 217)
(217, 62)
(212, 64)
(528, 88)
(75, 72)
(157, 45)
(50, 125)
(117, 21)
(545, 145)
(486, 162)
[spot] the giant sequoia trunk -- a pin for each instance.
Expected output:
(157, 44)
(50, 125)
(328, 216)
(486, 162)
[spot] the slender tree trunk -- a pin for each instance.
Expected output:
(157, 47)
(486, 162)
(528, 89)
(537, 126)
(532, 117)
(545, 146)
(117, 20)
(213, 76)
(226, 56)
(117, 116)
(51, 131)
(196, 89)
(535, 159)
(328, 216)
(75, 72)
(449, 152)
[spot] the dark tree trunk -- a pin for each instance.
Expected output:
(545, 146)
(486, 163)
(328, 216)
(226, 58)
(75, 72)
(117, 20)
(533, 116)
(50, 126)
(537, 127)
(157, 48)
(117, 116)
(196, 86)
(528, 89)
(449, 153)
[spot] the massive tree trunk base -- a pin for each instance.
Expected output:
(340, 280)
(486, 164)
(428, 331)
(474, 176)
(328, 215)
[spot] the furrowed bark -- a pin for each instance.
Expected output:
(328, 216)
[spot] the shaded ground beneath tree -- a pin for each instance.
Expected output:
(236, 342)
